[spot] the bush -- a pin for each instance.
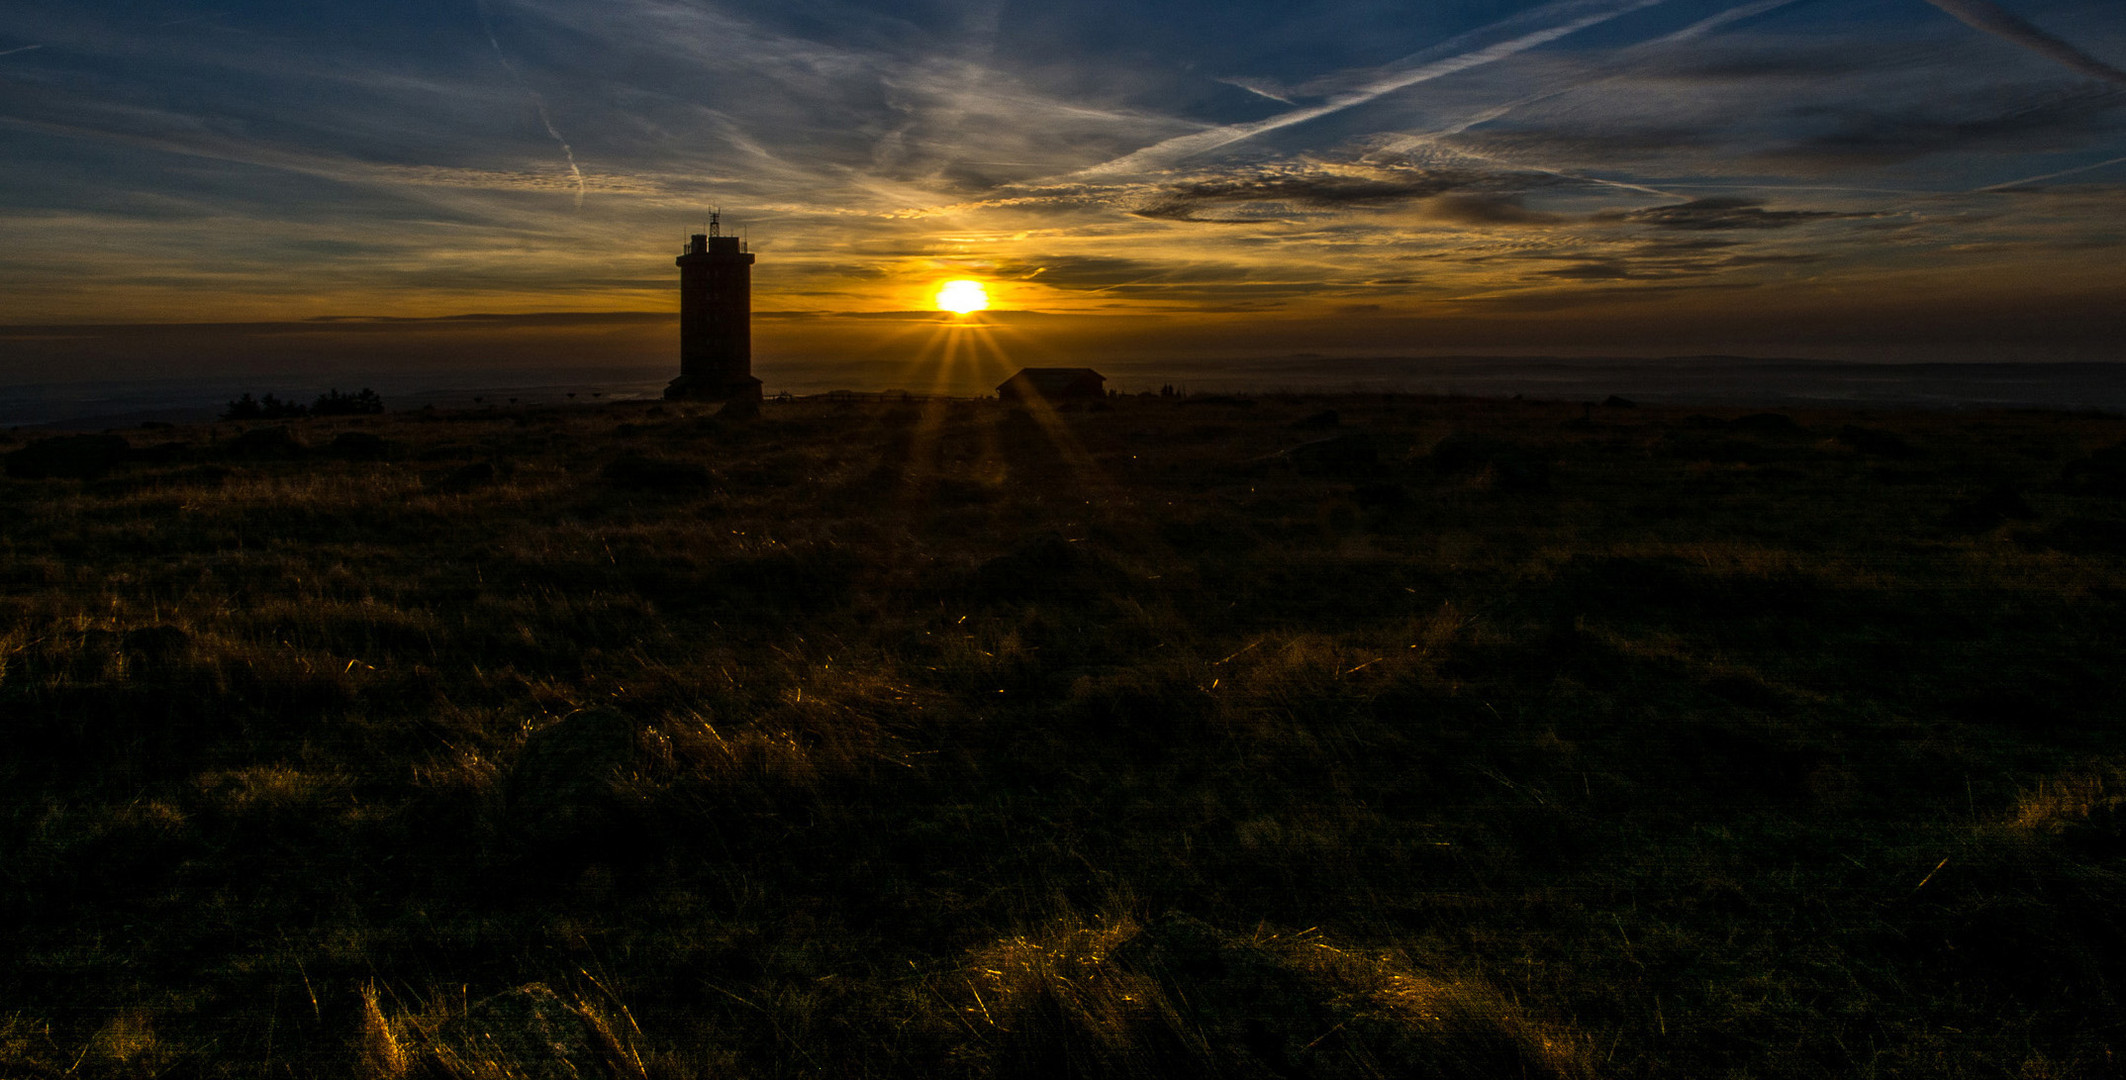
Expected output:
(269, 442)
(334, 403)
(264, 408)
(331, 403)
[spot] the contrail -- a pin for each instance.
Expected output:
(193, 19)
(1714, 22)
(1692, 32)
(2047, 176)
(172, 22)
(1252, 86)
(2008, 26)
(1689, 33)
(1582, 14)
(538, 102)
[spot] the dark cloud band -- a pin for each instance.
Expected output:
(2008, 26)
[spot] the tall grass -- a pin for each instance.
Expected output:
(1652, 747)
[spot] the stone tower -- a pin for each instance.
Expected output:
(715, 319)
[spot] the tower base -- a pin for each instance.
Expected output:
(698, 388)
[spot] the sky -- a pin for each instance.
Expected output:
(1859, 178)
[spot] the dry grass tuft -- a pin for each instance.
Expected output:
(1714, 737)
(2075, 798)
(1179, 998)
(381, 1054)
(528, 1033)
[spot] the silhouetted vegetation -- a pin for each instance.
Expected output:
(362, 403)
(366, 402)
(1206, 737)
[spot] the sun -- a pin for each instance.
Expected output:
(962, 296)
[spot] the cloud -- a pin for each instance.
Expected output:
(1315, 186)
(1583, 148)
(1495, 42)
(1104, 273)
(1723, 213)
(576, 180)
(873, 147)
(1623, 62)
(2024, 183)
(1816, 62)
(1537, 301)
(1260, 87)
(872, 110)
(538, 102)
(1688, 245)
(1478, 209)
(1655, 262)
(349, 170)
(1875, 136)
(1716, 21)
(1594, 271)
(1993, 19)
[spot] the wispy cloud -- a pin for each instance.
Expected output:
(1259, 87)
(2008, 26)
(1094, 157)
(1863, 133)
(538, 102)
(2077, 170)
(1722, 213)
(349, 170)
(1320, 186)
(1493, 43)
(1625, 60)
(1387, 79)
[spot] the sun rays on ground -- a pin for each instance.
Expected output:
(971, 349)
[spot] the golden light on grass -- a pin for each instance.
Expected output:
(962, 297)
(950, 594)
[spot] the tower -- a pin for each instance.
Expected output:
(715, 319)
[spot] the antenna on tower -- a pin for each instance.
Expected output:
(715, 223)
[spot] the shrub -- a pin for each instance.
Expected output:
(264, 408)
(269, 442)
(334, 403)
(331, 403)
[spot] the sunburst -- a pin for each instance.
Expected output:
(962, 297)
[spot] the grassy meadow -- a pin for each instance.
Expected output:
(1244, 737)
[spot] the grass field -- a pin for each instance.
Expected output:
(1211, 737)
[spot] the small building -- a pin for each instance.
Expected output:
(1053, 384)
